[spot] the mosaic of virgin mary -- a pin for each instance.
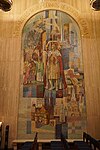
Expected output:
(53, 70)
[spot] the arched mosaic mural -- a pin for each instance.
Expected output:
(53, 75)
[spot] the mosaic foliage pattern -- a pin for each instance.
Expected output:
(53, 75)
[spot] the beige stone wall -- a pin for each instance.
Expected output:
(11, 24)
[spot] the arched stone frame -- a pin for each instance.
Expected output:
(52, 6)
(56, 6)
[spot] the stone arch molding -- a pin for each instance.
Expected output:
(54, 6)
